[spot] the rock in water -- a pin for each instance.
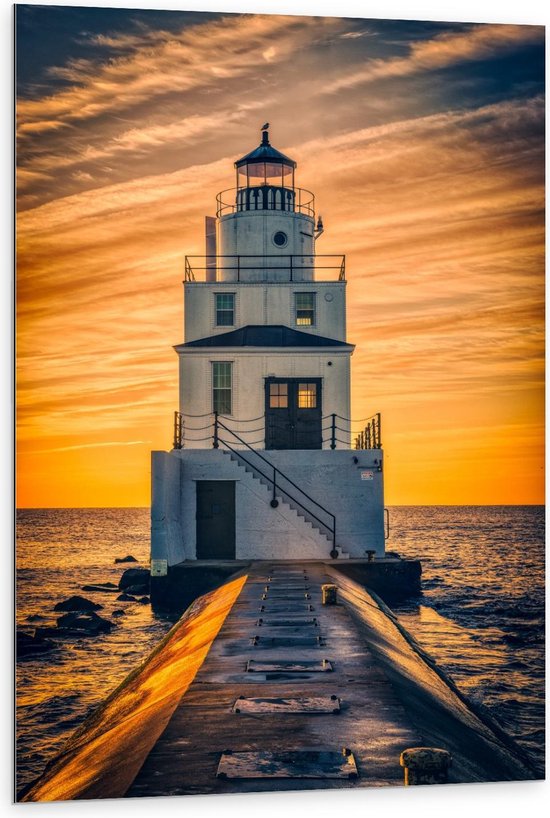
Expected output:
(137, 590)
(31, 645)
(105, 587)
(125, 598)
(82, 623)
(144, 600)
(134, 576)
(129, 558)
(77, 603)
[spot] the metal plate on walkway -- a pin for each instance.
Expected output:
(311, 704)
(289, 595)
(282, 606)
(280, 586)
(291, 764)
(270, 666)
(288, 622)
(287, 641)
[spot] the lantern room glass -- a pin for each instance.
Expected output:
(258, 174)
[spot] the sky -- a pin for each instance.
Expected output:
(424, 145)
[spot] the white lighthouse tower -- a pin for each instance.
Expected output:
(263, 464)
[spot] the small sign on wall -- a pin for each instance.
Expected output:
(159, 568)
(367, 475)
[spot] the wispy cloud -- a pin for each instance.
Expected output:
(438, 205)
(92, 446)
(479, 43)
(163, 63)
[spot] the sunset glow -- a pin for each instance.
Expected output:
(424, 146)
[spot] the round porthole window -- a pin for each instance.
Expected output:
(280, 238)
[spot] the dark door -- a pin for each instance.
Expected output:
(293, 413)
(215, 520)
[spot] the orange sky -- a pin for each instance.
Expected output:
(425, 149)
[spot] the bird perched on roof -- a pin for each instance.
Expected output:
(265, 127)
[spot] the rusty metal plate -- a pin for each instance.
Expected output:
(311, 704)
(287, 641)
(289, 595)
(289, 622)
(280, 606)
(279, 586)
(287, 578)
(290, 764)
(272, 665)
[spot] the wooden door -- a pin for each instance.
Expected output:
(293, 413)
(215, 519)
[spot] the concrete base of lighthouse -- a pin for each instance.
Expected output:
(392, 579)
(316, 489)
(348, 483)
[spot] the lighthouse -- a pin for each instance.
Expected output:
(266, 463)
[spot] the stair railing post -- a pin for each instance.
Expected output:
(216, 442)
(274, 501)
(333, 432)
(175, 446)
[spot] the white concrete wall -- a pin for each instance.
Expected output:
(250, 368)
(331, 478)
(251, 233)
(167, 531)
(265, 304)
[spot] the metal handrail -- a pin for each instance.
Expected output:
(294, 263)
(237, 453)
(273, 481)
(303, 201)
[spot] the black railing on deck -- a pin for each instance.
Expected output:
(231, 267)
(334, 427)
(371, 436)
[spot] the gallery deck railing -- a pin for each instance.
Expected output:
(266, 267)
(334, 427)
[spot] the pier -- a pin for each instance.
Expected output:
(262, 687)
(286, 675)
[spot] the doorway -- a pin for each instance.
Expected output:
(293, 413)
(215, 519)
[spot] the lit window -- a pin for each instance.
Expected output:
(221, 387)
(278, 395)
(225, 309)
(307, 395)
(305, 309)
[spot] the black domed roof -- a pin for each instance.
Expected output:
(265, 153)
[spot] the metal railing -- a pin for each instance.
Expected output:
(265, 267)
(276, 480)
(371, 436)
(265, 197)
(368, 437)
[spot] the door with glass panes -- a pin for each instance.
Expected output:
(293, 413)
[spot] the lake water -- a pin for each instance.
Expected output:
(481, 614)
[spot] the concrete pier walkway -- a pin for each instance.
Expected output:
(278, 619)
(260, 687)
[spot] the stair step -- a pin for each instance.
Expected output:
(313, 525)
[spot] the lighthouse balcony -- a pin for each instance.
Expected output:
(265, 197)
(267, 431)
(265, 267)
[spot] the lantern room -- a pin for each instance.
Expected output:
(265, 179)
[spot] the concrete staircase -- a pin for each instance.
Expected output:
(313, 526)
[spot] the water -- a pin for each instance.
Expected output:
(480, 615)
(58, 551)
